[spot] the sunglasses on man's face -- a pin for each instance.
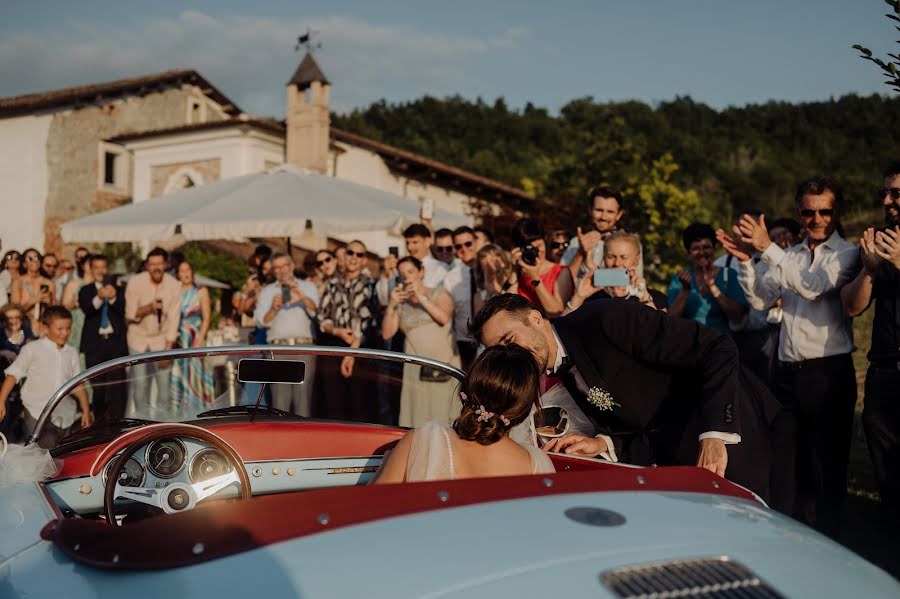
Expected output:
(50, 264)
(559, 245)
(894, 191)
(443, 249)
(809, 212)
(464, 244)
(357, 254)
(324, 261)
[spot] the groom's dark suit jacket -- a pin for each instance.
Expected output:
(672, 380)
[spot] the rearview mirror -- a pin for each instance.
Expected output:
(288, 372)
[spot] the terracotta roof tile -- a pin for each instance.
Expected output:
(270, 126)
(86, 94)
(307, 72)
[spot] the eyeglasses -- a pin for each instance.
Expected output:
(357, 254)
(443, 249)
(551, 422)
(325, 261)
(559, 245)
(32, 258)
(809, 212)
(13, 258)
(894, 191)
(467, 244)
(50, 264)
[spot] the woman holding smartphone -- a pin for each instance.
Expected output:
(425, 317)
(32, 291)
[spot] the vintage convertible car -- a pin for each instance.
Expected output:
(238, 499)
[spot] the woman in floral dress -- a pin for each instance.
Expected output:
(192, 382)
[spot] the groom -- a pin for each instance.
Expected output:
(659, 390)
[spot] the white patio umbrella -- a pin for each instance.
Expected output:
(277, 203)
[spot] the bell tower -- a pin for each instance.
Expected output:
(308, 121)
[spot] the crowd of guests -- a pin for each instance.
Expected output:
(779, 299)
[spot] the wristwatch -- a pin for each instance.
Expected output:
(535, 283)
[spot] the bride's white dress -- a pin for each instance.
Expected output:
(432, 450)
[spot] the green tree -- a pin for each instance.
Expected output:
(891, 68)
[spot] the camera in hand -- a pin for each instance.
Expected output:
(529, 254)
(285, 294)
(110, 280)
(44, 289)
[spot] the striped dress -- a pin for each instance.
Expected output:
(192, 382)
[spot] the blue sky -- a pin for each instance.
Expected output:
(721, 52)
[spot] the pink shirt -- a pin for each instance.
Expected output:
(149, 333)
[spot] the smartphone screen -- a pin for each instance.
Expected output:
(611, 277)
(394, 251)
(427, 209)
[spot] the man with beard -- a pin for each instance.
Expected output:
(153, 312)
(585, 251)
(815, 381)
(658, 390)
(879, 281)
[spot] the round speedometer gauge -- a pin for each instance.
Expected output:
(208, 463)
(166, 457)
(131, 475)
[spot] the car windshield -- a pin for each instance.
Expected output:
(189, 385)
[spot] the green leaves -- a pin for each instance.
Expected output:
(889, 68)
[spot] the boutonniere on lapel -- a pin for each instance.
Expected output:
(602, 398)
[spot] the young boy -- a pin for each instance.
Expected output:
(47, 363)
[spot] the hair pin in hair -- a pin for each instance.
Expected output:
(484, 415)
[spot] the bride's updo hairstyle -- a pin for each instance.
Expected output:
(502, 385)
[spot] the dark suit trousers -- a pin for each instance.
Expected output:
(881, 420)
(110, 391)
(813, 435)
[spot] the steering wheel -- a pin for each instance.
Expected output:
(177, 497)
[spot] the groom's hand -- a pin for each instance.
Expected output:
(577, 445)
(713, 456)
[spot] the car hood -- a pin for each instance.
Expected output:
(24, 512)
(536, 547)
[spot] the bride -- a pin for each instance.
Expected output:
(500, 392)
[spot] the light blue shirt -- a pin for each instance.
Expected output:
(293, 320)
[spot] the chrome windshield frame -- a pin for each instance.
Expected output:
(270, 351)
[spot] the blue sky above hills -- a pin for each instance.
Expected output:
(721, 52)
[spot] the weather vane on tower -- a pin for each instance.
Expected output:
(306, 40)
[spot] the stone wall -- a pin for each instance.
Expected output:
(73, 156)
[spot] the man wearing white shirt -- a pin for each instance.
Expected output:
(816, 380)
(287, 309)
(585, 251)
(418, 245)
(46, 364)
(460, 283)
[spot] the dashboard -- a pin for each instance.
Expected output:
(187, 460)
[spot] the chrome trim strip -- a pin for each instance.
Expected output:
(232, 350)
(54, 509)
